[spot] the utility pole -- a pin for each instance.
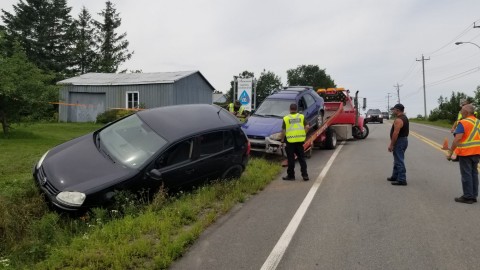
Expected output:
(424, 93)
(398, 91)
(388, 102)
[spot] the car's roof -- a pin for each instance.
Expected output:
(179, 121)
(290, 93)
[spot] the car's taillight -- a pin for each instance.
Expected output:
(248, 147)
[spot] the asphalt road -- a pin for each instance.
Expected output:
(350, 217)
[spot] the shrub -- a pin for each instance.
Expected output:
(112, 115)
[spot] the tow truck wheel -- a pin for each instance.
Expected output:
(365, 132)
(331, 139)
(356, 132)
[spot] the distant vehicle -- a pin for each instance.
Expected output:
(264, 126)
(386, 115)
(174, 146)
(374, 115)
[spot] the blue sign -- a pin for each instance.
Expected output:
(244, 98)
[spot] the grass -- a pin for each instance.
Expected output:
(438, 123)
(136, 233)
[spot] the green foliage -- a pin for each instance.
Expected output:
(84, 54)
(309, 75)
(43, 29)
(25, 90)
(266, 84)
(136, 235)
(448, 108)
(113, 48)
(112, 115)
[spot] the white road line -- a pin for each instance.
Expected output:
(277, 253)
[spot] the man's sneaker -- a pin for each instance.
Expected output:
(465, 200)
(288, 178)
(305, 177)
(391, 179)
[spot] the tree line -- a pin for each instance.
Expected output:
(41, 44)
(448, 108)
(268, 81)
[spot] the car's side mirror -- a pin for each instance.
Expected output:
(155, 174)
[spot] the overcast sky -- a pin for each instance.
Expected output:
(368, 46)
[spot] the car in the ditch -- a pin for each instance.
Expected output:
(264, 126)
(172, 146)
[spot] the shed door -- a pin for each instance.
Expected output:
(85, 106)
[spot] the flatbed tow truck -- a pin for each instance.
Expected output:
(342, 121)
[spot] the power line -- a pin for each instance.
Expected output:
(410, 70)
(469, 28)
(456, 76)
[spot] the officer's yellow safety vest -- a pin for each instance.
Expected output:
(469, 145)
(231, 108)
(294, 128)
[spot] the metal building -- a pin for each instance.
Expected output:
(82, 98)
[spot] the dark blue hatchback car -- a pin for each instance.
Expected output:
(264, 127)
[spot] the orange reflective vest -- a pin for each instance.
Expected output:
(469, 145)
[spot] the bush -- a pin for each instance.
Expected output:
(112, 115)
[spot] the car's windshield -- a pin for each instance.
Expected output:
(130, 141)
(373, 111)
(274, 107)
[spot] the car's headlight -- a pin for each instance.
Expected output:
(39, 164)
(276, 136)
(380, 116)
(72, 198)
(368, 115)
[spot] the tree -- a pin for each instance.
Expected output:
(448, 109)
(24, 89)
(43, 29)
(309, 75)
(113, 48)
(266, 84)
(84, 54)
(245, 74)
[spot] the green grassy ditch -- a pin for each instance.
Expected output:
(137, 233)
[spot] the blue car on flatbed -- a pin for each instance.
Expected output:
(263, 128)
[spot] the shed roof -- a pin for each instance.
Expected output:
(129, 78)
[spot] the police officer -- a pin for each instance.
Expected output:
(294, 129)
(467, 147)
(236, 108)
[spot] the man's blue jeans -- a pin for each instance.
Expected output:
(469, 172)
(399, 171)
